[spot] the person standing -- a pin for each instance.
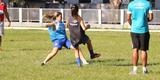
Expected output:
(138, 15)
(3, 11)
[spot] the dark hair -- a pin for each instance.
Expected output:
(74, 10)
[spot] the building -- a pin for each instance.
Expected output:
(92, 4)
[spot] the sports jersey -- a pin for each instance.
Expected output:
(58, 32)
(76, 31)
(2, 8)
(139, 10)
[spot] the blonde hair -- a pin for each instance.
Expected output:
(50, 16)
(56, 14)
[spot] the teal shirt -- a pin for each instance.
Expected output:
(59, 32)
(139, 9)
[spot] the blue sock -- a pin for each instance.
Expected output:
(78, 60)
(91, 52)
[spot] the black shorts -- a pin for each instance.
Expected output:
(140, 41)
(83, 40)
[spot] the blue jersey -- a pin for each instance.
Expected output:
(139, 9)
(58, 32)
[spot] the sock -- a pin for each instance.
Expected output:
(91, 52)
(44, 62)
(144, 69)
(84, 61)
(78, 61)
(135, 68)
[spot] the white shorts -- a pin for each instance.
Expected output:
(1, 28)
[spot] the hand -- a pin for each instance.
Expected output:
(9, 24)
(88, 26)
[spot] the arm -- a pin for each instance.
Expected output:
(129, 13)
(83, 25)
(150, 17)
(129, 19)
(7, 16)
(50, 24)
(67, 23)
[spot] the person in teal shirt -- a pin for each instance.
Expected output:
(138, 15)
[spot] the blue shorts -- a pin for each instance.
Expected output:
(63, 42)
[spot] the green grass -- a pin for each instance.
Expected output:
(24, 50)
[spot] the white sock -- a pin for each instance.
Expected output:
(144, 69)
(44, 62)
(135, 68)
(84, 61)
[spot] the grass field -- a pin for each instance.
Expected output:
(24, 50)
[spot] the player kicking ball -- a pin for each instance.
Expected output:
(139, 14)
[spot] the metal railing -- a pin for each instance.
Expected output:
(92, 16)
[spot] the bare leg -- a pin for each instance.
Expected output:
(89, 45)
(77, 56)
(51, 55)
(144, 57)
(82, 57)
(90, 49)
(1, 43)
(135, 57)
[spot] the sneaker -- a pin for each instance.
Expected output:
(85, 63)
(95, 56)
(42, 64)
(133, 72)
(145, 72)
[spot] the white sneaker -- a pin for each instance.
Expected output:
(85, 63)
(145, 71)
(133, 73)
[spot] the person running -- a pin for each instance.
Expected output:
(139, 14)
(77, 29)
(56, 29)
(3, 11)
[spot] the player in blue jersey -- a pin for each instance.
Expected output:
(56, 29)
(138, 15)
(77, 29)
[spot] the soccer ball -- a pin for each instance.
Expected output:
(126, 25)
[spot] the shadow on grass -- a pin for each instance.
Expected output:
(108, 62)
(115, 62)
(112, 62)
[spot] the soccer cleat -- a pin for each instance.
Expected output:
(42, 64)
(96, 55)
(133, 72)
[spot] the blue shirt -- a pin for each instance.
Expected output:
(58, 32)
(139, 9)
